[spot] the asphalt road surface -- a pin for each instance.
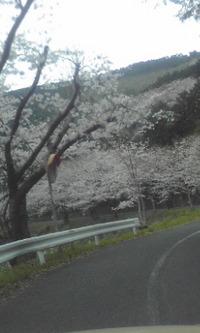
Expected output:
(151, 280)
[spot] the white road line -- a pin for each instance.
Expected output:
(152, 299)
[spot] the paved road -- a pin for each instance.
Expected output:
(152, 280)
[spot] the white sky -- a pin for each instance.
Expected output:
(126, 31)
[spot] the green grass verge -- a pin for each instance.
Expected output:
(14, 278)
(173, 218)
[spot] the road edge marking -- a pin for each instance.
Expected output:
(152, 300)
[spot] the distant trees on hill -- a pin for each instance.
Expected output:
(193, 70)
(166, 123)
(143, 76)
(157, 64)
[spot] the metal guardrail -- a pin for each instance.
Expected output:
(41, 243)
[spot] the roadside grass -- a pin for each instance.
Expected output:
(12, 279)
(173, 218)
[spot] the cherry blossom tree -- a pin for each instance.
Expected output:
(84, 181)
(79, 189)
(176, 171)
(130, 174)
(187, 166)
(27, 142)
(88, 110)
(136, 167)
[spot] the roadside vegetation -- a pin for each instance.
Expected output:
(16, 278)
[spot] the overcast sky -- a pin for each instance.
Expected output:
(127, 31)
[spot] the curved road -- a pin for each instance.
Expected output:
(151, 280)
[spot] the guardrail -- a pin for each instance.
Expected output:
(41, 243)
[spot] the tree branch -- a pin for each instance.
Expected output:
(78, 137)
(9, 41)
(59, 138)
(52, 127)
(8, 156)
(29, 94)
(34, 178)
(30, 182)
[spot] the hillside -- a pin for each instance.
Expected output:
(139, 77)
(143, 76)
(136, 80)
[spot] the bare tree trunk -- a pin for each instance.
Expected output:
(143, 211)
(189, 198)
(4, 223)
(94, 214)
(18, 218)
(182, 201)
(66, 218)
(140, 211)
(153, 204)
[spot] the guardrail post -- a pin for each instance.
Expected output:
(96, 240)
(134, 230)
(41, 257)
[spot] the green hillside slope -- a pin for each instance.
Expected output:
(142, 76)
(133, 79)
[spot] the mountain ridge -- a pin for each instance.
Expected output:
(142, 76)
